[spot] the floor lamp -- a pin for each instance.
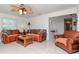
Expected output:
(29, 26)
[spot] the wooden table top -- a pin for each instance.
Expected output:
(24, 37)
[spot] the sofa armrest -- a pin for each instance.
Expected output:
(4, 35)
(69, 44)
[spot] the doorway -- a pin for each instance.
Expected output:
(68, 24)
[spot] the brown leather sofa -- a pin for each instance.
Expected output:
(9, 35)
(72, 42)
(38, 35)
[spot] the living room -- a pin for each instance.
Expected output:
(37, 21)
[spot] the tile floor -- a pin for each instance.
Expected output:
(46, 47)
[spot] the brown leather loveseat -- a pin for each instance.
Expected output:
(38, 35)
(9, 35)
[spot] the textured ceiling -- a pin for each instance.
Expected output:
(38, 9)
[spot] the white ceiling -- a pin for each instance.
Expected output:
(38, 9)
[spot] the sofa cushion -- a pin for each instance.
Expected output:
(7, 32)
(71, 34)
(37, 31)
(41, 32)
(16, 31)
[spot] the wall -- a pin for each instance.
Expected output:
(42, 21)
(37, 22)
(57, 24)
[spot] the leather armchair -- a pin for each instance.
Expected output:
(71, 39)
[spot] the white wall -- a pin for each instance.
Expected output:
(42, 21)
(37, 22)
(57, 24)
(21, 21)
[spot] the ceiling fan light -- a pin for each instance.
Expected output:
(20, 11)
(25, 12)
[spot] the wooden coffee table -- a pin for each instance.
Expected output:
(24, 40)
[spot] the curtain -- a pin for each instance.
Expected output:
(8, 23)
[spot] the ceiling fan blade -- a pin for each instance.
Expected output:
(15, 6)
(29, 12)
(28, 8)
(15, 9)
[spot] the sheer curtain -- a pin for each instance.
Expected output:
(8, 23)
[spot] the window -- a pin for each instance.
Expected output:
(8, 23)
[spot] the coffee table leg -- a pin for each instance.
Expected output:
(24, 43)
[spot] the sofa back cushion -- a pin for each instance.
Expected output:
(9, 32)
(16, 31)
(38, 31)
(71, 34)
(35, 31)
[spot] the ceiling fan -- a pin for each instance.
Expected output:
(21, 9)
